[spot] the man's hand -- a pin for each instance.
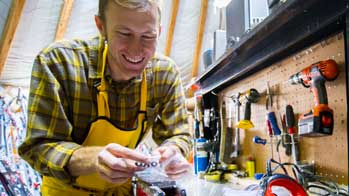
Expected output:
(171, 158)
(116, 164)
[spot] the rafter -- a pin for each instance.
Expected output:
(10, 30)
(64, 19)
(200, 34)
(171, 27)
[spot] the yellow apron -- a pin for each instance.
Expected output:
(101, 133)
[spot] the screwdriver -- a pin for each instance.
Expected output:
(273, 123)
(290, 122)
(272, 126)
(270, 133)
(258, 140)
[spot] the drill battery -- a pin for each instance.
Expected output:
(317, 123)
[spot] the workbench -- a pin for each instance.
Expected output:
(296, 35)
(195, 186)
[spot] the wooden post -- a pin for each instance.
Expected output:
(171, 27)
(64, 19)
(200, 34)
(10, 30)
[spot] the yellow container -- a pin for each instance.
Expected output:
(250, 168)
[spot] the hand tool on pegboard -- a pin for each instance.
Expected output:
(251, 96)
(285, 137)
(259, 140)
(236, 144)
(226, 141)
(212, 133)
(198, 130)
(271, 121)
(271, 114)
(270, 133)
(216, 168)
(290, 123)
(319, 121)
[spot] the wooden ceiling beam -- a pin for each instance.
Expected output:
(171, 27)
(200, 35)
(64, 19)
(8, 34)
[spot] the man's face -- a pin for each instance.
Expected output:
(132, 38)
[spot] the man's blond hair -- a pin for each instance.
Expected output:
(136, 4)
(142, 5)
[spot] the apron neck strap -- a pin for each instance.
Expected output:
(102, 96)
(144, 92)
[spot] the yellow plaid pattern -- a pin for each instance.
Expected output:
(62, 104)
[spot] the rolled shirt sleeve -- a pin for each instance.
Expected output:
(172, 123)
(48, 145)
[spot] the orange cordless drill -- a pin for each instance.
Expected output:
(318, 122)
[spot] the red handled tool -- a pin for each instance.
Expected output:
(270, 133)
(290, 123)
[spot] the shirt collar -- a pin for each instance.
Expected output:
(95, 55)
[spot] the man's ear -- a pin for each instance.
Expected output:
(100, 25)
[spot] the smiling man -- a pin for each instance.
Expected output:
(92, 101)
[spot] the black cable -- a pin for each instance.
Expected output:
(329, 186)
(327, 189)
(277, 166)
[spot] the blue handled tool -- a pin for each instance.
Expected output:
(258, 140)
(273, 123)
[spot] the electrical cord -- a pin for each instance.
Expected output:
(308, 180)
(318, 188)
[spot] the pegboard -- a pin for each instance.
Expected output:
(329, 153)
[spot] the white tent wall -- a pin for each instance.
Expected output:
(4, 10)
(36, 29)
(39, 21)
(82, 23)
(185, 34)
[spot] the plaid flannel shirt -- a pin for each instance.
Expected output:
(62, 104)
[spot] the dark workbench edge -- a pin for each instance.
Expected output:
(295, 25)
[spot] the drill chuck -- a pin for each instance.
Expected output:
(295, 79)
(327, 70)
